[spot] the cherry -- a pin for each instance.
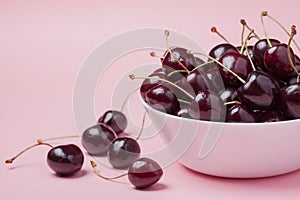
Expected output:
(162, 99)
(183, 112)
(268, 116)
(220, 49)
(115, 120)
(260, 91)
(237, 63)
(290, 100)
(194, 82)
(206, 106)
(228, 94)
(251, 53)
(239, 113)
(65, 160)
(259, 49)
(215, 81)
(150, 83)
(277, 61)
(123, 151)
(96, 139)
(142, 173)
(177, 58)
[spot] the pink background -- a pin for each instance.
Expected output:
(42, 45)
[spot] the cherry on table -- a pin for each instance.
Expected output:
(65, 160)
(123, 151)
(96, 139)
(115, 120)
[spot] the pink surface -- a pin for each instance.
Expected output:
(43, 44)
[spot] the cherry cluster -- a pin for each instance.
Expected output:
(246, 83)
(104, 139)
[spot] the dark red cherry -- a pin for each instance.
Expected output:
(150, 83)
(215, 82)
(221, 49)
(228, 94)
(268, 116)
(237, 63)
(277, 61)
(194, 82)
(65, 160)
(123, 152)
(170, 61)
(250, 51)
(96, 139)
(239, 113)
(207, 106)
(115, 120)
(183, 112)
(259, 50)
(144, 173)
(163, 99)
(260, 91)
(290, 100)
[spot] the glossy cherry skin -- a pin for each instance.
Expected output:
(65, 160)
(123, 152)
(268, 116)
(277, 61)
(261, 91)
(259, 50)
(220, 49)
(228, 94)
(144, 173)
(183, 112)
(194, 82)
(97, 139)
(239, 113)
(215, 82)
(162, 99)
(115, 120)
(170, 62)
(207, 106)
(250, 51)
(290, 100)
(151, 83)
(237, 63)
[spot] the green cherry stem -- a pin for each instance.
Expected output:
(293, 33)
(265, 13)
(94, 165)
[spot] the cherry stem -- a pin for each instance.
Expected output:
(201, 65)
(94, 165)
(142, 127)
(132, 76)
(175, 72)
(244, 23)
(232, 102)
(214, 30)
(153, 54)
(243, 32)
(293, 33)
(265, 13)
(57, 138)
(229, 70)
(167, 33)
(180, 100)
(247, 50)
(28, 148)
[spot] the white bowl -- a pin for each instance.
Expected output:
(234, 150)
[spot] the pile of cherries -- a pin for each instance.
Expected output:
(247, 83)
(104, 139)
